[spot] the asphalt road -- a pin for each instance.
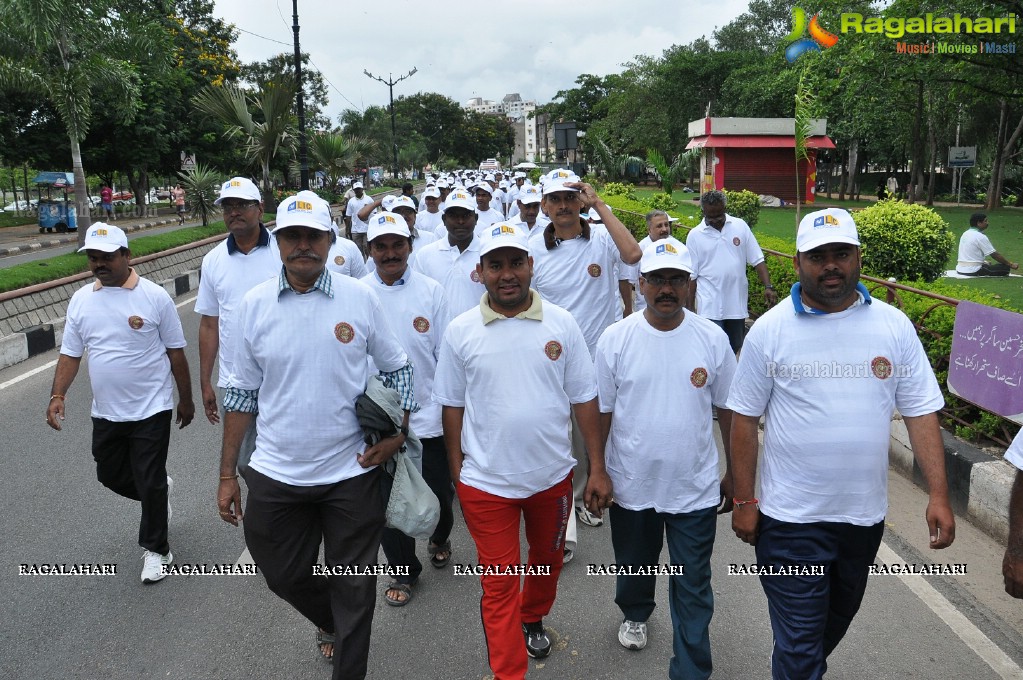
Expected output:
(54, 511)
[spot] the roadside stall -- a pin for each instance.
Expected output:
(56, 208)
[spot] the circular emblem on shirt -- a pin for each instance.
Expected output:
(135, 322)
(421, 324)
(344, 332)
(553, 350)
(593, 270)
(881, 367)
(736, 241)
(698, 377)
(339, 260)
(475, 276)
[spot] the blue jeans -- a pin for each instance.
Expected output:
(811, 613)
(637, 537)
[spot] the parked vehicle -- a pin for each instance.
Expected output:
(23, 206)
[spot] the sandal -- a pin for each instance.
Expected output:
(323, 638)
(397, 600)
(440, 555)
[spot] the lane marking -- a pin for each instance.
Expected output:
(987, 650)
(185, 302)
(28, 374)
(244, 558)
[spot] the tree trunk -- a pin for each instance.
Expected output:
(932, 152)
(841, 183)
(1005, 156)
(82, 206)
(852, 167)
(993, 200)
(916, 172)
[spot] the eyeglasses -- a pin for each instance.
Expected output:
(674, 282)
(238, 207)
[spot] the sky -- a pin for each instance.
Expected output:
(533, 47)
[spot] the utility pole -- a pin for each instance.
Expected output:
(303, 150)
(390, 83)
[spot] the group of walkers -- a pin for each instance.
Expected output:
(549, 368)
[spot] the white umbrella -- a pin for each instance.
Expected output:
(526, 166)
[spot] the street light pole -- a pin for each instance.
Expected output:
(303, 151)
(390, 83)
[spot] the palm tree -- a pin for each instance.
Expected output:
(201, 184)
(61, 52)
(262, 136)
(337, 154)
(805, 104)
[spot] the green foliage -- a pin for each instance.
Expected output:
(904, 241)
(662, 202)
(535, 174)
(596, 182)
(619, 189)
(663, 170)
(744, 204)
(201, 184)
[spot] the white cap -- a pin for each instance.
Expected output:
(555, 180)
(431, 192)
(502, 235)
(304, 209)
(238, 187)
(831, 225)
(520, 175)
(402, 202)
(387, 223)
(105, 237)
(442, 184)
(485, 187)
(358, 185)
(459, 199)
(528, 195)
(386, 202)
(667, 253)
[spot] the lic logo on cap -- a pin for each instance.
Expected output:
(666, 248)
(385, 219)
(825, 220)
(304, 206)
(98, 232)
(503, 229)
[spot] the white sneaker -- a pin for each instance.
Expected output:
(588, 518)
(632, 634)
(152, 569)
(170, 487)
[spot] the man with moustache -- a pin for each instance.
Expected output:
(658, 226)
(355, 228)
(823, 487)
(429, 217)
(451, 261)
(528, 202)
(507, 463)
(486, 214)
(659, 373)
(247, 257)
(301, 360)
(132, 331)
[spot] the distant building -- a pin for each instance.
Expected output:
(518, 111)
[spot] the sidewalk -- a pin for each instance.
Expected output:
(26, 238)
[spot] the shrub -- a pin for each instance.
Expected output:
(535, 174)
(904, 241)
(632, 213)
(662, 202)
(619, 189)
(744, 204)
(596, 182)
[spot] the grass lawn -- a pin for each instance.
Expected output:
(1005, 232)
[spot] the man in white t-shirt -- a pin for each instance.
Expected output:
(451, 261)
(829, 366)
(355, 228)
(528, 202)
(658, 226)
(429, 217)
(575, 268)
(301, 360)
(246, 258)
(1012, 562)
(501, 364)
(975, 246)
(486, 214)
(721, 246)
(416, 308)
(658, 374)
(132, 331)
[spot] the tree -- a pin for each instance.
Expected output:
(337, 155)
(314, 88)
(64, 51)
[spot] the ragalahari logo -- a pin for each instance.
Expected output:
(821, 38)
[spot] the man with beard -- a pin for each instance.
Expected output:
(133, 335)
(451, 261)
(659, 373)
(247, 257)
(828, 366)
(501, 364)
(301, 360)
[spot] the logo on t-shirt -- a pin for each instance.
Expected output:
(344, 332)
(881, 367)
(553, 350)
(339, 260)
(698, 377)
(736, 241)
(593, 270)
(475, 276)
(136, 322)
(421, 324)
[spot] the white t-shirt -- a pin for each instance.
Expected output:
(224, 280)
(424, 239)
(127, 332)
(485, 219)
(306, 354)
(418, 313)
(455, 271)
(346, 258)
(352, 210)
(659, 384)
(719, 267)
(630, 272)
(974, 246)
(826, 438)
(1014, 454)
(579, 275)
(516, 379)
(428, 221)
